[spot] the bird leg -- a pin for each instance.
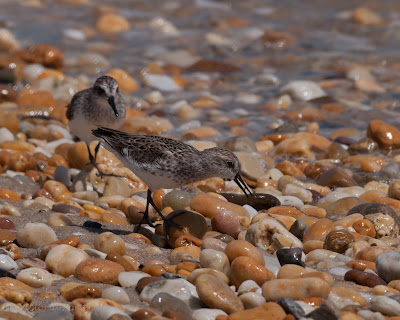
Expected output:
(146, 218)
(94, 163)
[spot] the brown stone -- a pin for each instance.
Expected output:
(383, 133)
(116, 257)
(336, 177)
(7, 237)
(361, 265)
(269, 310)
(277, 40)
(110, 23)
(341, 207)
(82, 291)
(371, 253)
(43, 54)
(319, 230)
(217, 294)
(239, 248)
(338, 240)
(145, 281)
(244, 268)
(143, 314)
(364, 278)
(212, 66)
(99, 271)
(365, 227)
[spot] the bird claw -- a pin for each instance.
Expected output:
(146, 220)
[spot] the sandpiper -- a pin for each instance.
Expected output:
(167, 163)
(101, 105)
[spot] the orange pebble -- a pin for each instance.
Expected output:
(365, 227)
(9, 195)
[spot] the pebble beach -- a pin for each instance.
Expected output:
(307, 96)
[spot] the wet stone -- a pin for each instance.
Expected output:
(164, 302)
(171, 276)
(6, 223)
(291, 307)
(190, 223)
(259, 201)
(290, 256)
(225, 221)
(61, 174)
(98, 270)
(298, 228)
(395, 297)
(364, 278)
(177, 199)
(341, 207)
(143, 282)
(33, 235)
(51, 315)
(325, 311)
(388, 265)
(384, 225)
(239, 143)
(338, 240)
(336, 177)
(217, 294)
(372, 207)
(178, 288)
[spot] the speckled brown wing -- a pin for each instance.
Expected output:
(145, 150)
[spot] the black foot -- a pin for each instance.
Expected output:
(146, 220)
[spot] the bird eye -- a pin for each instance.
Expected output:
(117, 90)
(230, 164)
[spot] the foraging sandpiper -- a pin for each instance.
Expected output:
(166, 163)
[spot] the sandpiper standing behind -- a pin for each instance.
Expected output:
(101, 105)
(166, 163)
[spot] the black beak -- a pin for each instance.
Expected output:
(112, 104)
(242, 185)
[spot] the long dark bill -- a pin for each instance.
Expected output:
(242, 185)
(112, 104)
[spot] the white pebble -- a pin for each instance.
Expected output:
(178, 288)
(385, 305)
(290, 201)
(131, 278)
(161, 82)
(105, 312)
(6, 135)
(116, 293)
(304, 90)
(95, 253)
(252, 300)
(247, 286)
(252, 212)
(163, 25)
(207, 314)
(7, 263)
(337, 271)
(74, 34)
(293, 190)
(35, 277)
(34, 235)
(63, 259)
